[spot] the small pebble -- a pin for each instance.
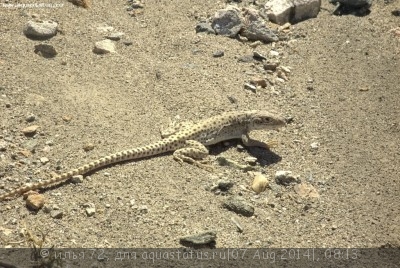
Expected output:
(260, 183)
(271, 65)
(35, 201)
(127, 43)
(238, 226)
(137, 4)
(218, 54)
(224, 185)
(314, 146)
(246, 58)
(56, 214)
(206, 238)
(143, 209)
(49, 143)
(3, 146)
(284, 26)
(281, 74)
(46, 208)
(31, 130)
(259, 82)
(104, 47)
(90, 209)
(255, 44)
(30, 118)
(240, 147)
(239, 206)
(250, 87)
(285, 69)
(115, 36)
(280, 80)
(284, 177)
(274, 53)
(77, 179)
(44, 160)
(258, 56)
(67, 118)
(88, 147)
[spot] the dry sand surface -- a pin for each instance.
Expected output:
(342, 96)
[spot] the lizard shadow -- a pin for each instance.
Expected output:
(265, 157)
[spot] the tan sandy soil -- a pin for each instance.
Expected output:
(121, 100)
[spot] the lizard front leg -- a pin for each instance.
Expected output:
(249, 142)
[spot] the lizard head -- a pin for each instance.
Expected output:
(264, 120)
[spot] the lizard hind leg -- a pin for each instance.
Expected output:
(193, 153)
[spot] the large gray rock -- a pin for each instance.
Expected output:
(40, 30)
(282, 11)
(353, 3)
(278, 11)
(305, 9)
(355, 7)
(257, 30)
(227, 22)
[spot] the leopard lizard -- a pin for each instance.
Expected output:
(188, 142)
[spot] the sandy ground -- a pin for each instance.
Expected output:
(121, 100)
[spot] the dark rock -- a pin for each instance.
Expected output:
(257, 30)
(239, 206)
(227, 22)
(204, 27)
(202, 240)
(218, 54)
